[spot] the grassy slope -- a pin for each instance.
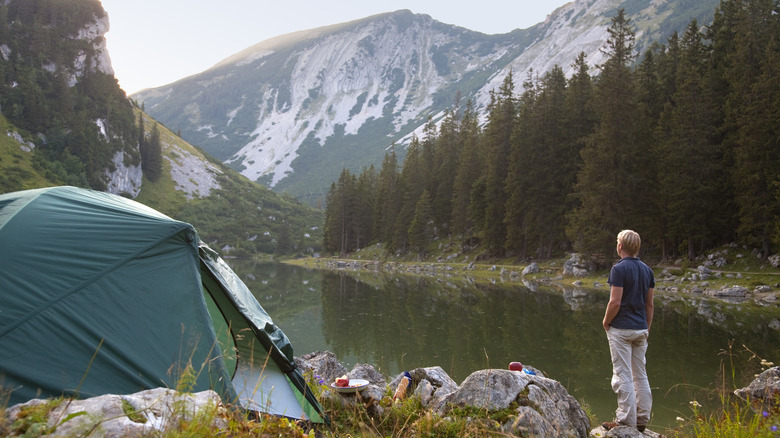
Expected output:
(16, 169)
(240, 211)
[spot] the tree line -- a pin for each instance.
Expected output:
(680, 144)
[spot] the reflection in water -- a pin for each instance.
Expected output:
(401, 323)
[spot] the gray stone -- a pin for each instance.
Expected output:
(425, 392)
(578, 265)
(733, 291)
(624, 432)
(497, 389)
(322, 364)
(764, 391)
(368, 372)
(529, 422)
(533, 268)
(441, 384)
(105, 416)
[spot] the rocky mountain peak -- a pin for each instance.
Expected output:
(292, 111)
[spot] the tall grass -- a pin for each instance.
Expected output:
(725, 415)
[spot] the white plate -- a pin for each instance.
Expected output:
(354, 385)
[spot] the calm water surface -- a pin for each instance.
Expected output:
(401, 323)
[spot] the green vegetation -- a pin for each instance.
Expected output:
(406, 418)
(78, 128)
(680, 146)
(244, 218)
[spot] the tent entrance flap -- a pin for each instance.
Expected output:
(262, 375)
(259, 382)
(262, 386)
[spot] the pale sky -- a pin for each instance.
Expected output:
(156, 42)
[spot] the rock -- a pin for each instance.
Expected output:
(124, 178)
(533, 268)
(425, 392)
(135, 415)
(496, 389)
(623, 431)
(774, 260)
(704, 273)
(528, 422)
(368, 372)
(764, 391)
(441, 384)
(322, 364)
(578, 265)
(733, 291)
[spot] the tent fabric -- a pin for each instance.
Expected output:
(254, 383)
(100, 294)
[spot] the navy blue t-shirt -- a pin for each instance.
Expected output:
(635, 278)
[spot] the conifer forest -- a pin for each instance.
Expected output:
(680, 143)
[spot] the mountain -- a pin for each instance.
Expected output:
(68, 123)
(291, 112)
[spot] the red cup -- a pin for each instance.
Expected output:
(515, 366)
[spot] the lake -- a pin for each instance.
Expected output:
(400, 323)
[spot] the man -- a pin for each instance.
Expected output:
(627, 322)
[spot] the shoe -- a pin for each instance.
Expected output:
(640, 427)
(609, 425)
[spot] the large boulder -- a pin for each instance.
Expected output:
(543, 406)
(145, 413)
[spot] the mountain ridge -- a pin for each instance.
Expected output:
(339, 96)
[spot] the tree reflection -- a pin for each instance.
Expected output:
(398, 323)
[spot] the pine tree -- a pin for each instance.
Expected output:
(469, 168)
(387, 201)
(154, 157)
(580, 120)
(412, 183)
(421, 228)
(339, 231)
(448, 147)
(331, 230)
(365, 197)
(611, 175)
(551, 149)
(284, 240)
(690, 181)
(520, 185)
(751, 114)
(497, 140)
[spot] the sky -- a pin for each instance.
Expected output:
(157, 42)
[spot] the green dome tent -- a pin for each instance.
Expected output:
(102, 295)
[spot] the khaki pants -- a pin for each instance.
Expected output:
(629, 377)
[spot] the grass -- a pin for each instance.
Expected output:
(730, 417)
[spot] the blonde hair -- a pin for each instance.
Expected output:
(631, 241)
